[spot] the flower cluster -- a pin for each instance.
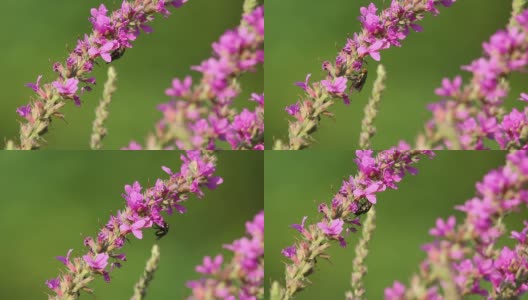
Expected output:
(464, 257)
(469, 115)
(243, 277)
(348, 72)
(143, 210)
(112, 34)
(201, 116)
(355, 197)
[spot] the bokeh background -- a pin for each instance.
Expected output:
(296, 183)
(34, 35)
(52, 200)
(302, 34)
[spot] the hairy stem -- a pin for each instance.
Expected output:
(101, 113)
(371, 110)
(359, 269)
(140, 289)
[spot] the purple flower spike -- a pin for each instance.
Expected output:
(112, 33)
(381, 29)
(246, 269)
(354, 198)
(478, 264)
(198, 124)
(144, 208)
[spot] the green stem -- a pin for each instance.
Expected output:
(101, 113)
(140, 289)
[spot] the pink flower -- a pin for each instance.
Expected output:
(68, 87)
(396, 292)
(300, 227)
(99, 262)
(293, 109)
(35, 86)
(335, 86)
(209, 265)
(179, 88)
(24, 111)
(372, 49)
(289, 252)
(450, 88)
(53, 283)
(105, 51)
(133, 146)
(135, 228)
(443, 228)
(65, 259)
(304, 85)
(369, 192)
(334, 228)
(100, 20)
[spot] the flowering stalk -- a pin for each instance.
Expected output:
(111, 36)
(140, 289)
(243, 277)
(371, 110)
(349, 70)
(359, 269)
(143, 210)
(200, 116)
(470, 114)
(101, 113)
(355, 197)
(465, 259)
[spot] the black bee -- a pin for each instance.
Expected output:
(161, 231)
(117, 54)
(359, 79)
(363, 208)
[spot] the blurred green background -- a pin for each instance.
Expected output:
(34, 35)
(52, 200)
(295, 183)
(302, 34)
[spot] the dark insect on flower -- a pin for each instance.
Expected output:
(359, 79)
(117, 54)
(363, 207)
(161, 231)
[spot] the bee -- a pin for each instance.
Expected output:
(363, 207)
(117, 54)
(161, 231)
(359, 79)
